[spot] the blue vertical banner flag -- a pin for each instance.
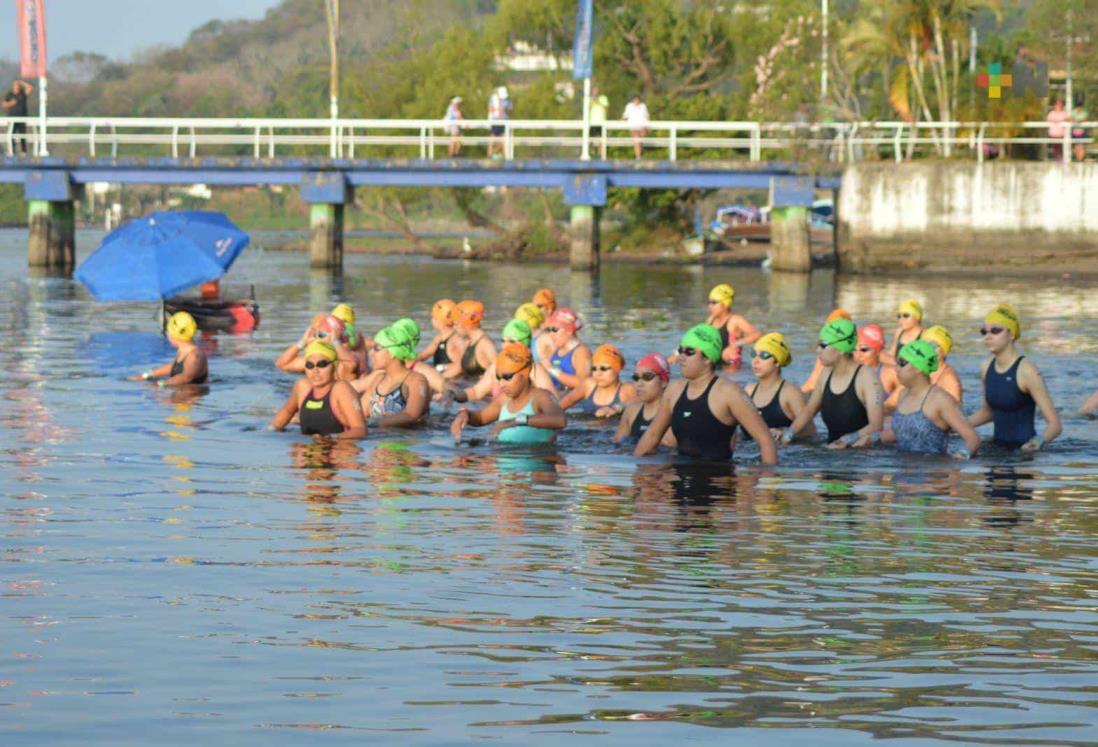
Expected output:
(583, 61)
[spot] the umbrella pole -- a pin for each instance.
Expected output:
(163, 313)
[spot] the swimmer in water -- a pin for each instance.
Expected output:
(703, 409)
(1013, 387)
(438, 350)
(854, 413)
(871, 343)
(515, 331)
(524, 414)
(324, 405)
(189, 365)
(909, 327)
(569, 359)
(325, 328)
(393, 395)
(546, 301)
(736, 332)
(926, 413)
(602, 395)
(651, 376)
(356, 341)
(1090, 407)
(540, 344)
(777, 403)
(818, 367)
(945, 378)
(478, 350)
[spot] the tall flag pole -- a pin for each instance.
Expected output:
(32, 54)
(583, 64)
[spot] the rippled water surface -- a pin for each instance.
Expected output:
(172, 572)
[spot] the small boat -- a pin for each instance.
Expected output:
(217, 315)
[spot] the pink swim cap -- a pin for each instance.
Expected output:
(332, 328)
(657, 364)
(872, 336)
(565, 317)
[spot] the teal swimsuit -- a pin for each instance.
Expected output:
(523, 434)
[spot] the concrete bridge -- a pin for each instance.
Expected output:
(52, 184)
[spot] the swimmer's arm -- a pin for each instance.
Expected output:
(581, 361)
(348, 410)
(291, 359)
(890, 380)
(489, 414)
(792, 403)
(1031, 381)
(429, 351)
(547, 412)
(751, 333)
(873, 399)
(575, 395)
(950, 411)
(659, 425)
(810, 384)
(415, 407)
(483, 388)
(893, 400)
(1091, 405)
(951, 385)
(888, 436)
(625, 424)
(805, 416)
(289, 409)
(154, 373)
(745, 412)
(983, 414)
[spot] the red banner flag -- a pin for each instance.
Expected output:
(32, 37)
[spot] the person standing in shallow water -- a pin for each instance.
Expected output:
(777, 403)
(189, 365)
(1013, 387)
(324, 405)
(849, 397)
(703, 409)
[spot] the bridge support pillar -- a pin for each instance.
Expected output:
(328, 193)
(584, 237)
(586, 193)
(790, 245)
(51, 218)
(326, 236)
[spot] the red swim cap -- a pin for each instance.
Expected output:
(657, 364)
(332, 328)
(872, 336)
(565, 317)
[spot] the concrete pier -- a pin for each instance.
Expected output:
(584, 235)
(52, 243)
(326, 236)
(790, 244)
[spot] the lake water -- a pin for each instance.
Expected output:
(173, 573)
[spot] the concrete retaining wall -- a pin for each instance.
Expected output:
(995, 217)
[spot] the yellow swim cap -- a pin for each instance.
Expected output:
(774, 343)
(319, 347)
(1005, 315)
(182, 326)
(531, 314)
(913, 307)
(344, 313)
(940, 336)
(724, 293)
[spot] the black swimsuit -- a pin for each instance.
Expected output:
(1012, 410)
(697, 430)
(442, 358)
(470, 366)
(177, 368)
(317, 417)
(640, 425)
(772, 413)
(843, 413)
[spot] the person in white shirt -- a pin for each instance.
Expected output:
(453, 125)
(636, 114)
(499, 111)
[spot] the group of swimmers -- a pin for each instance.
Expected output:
(866, 392)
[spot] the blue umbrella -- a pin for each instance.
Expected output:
(157, 256)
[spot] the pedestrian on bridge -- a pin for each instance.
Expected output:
(453, 127)
(499, 111)
(636, 114)
(15, 105)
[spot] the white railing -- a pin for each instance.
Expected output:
(115, 137)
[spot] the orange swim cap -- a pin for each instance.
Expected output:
(838, 314)
(514, 358)
(443, 311)
(468, 314)
(546, 298)
(608, 355)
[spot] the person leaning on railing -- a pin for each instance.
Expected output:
(15, 105)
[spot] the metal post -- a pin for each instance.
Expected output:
(823, 52)
(1066, 157)
(331, 8)
(585, 154)
(42, 149)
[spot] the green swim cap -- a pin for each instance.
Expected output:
(516, 329)
(396, 340)
(706, 339)
(840, 334)
(410, 328)
(922, 355)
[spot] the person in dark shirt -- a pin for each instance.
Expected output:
(15, 105)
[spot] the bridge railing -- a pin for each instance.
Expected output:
(114, 137)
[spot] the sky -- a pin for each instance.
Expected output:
(118, 28)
